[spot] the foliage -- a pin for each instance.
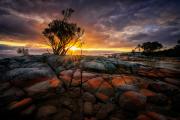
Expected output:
(62, 34)
(23, 51)
(149, 47)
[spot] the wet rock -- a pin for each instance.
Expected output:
(132, 101)
(89, 97)
(46, 111)
(88, 108)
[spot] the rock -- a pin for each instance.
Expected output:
(147, 92)
(46, 111)
(10, 95)
(104, 111)
(27, 76)
(94, 65)
(64, 114)
(85, 75)
(158, 99)
(44, 86)
(20, 104)
(157, 72)
(66, 76)
(164, 88)
(93, 84)
(114, 118)
(125, 88)
(102, 97)
(59, 69)
(118, 81)
(88, 108)
(176, 102)
(172, 81)
(4, 86)
(143, 117)
(89, 97)
(132, 101)
(29, 110)
(106, 88)
(91, 118)
(110, 68)
(155, 116)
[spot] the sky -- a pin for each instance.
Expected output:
(114, 25)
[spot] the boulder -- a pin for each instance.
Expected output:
(104, 111)
(20, 104)
(29, 110)
(94, 65)
(172, 81)
(28, 76)
(132, 101)
(89, 97)
(88, 108)
(158, 99)
(44, 86)
(176, 102)
(164, 88)
(93, 84)
(46, 111)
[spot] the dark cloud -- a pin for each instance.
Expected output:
(110, 23)
(6, 47)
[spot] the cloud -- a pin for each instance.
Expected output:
(107, 23)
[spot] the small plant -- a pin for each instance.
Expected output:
(23, 51)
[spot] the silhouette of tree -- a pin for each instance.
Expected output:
(23, 51)
(62, 34)
(178, 41)
(138, 47)
(149, 47)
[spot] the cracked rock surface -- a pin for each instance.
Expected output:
(50, 87)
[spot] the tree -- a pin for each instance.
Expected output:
(62, 34)
(150, 47)
(138, 47)
(178, 42)
(23, 51)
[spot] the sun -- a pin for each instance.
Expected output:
(74, 48)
